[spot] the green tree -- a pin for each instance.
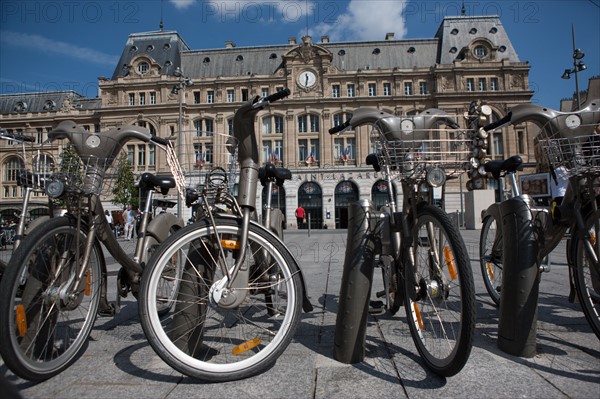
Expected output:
(125, 192)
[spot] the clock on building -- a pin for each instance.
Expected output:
(307, 79)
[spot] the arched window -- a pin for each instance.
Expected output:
(309, 123)
(204, 127)
(272, 124)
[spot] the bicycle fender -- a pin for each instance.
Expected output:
(161, 225)
(35, 223)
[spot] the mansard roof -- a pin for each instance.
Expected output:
(46, 102)
(455, 37)
(164, 47)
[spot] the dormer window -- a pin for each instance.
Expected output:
(133, 49)
(239, 58)
(480, 51)
(150, 48)
(376, 51)
(342, 52)
(494, 30)
(273, 56)
(143, 68)
(454, 31)
(167, 46)
(410, 50)
(49, 105)
(21, 107)
(206, 60)
(473, 31)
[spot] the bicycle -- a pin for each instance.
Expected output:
(241, 290)
(565, 138)
(55, 284)
(424, 261)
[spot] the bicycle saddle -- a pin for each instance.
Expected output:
(148, 181)
(509, 165)
(270, 171)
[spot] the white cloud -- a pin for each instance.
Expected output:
(182, 4)
(40, 43)
(365, 20)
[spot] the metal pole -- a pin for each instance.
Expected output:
(308, 221)
(575, 68)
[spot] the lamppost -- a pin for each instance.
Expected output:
(578, 66)
(184, 82)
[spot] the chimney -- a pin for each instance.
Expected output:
(389, 36)
(229, 44)
(324, 39)
(292, 40)
(306, 39)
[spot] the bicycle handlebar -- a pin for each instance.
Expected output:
(105, 145)
(391, 125)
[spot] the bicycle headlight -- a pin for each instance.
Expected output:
(55, 189)
(435, 176)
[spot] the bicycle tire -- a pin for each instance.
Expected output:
(490, 258)
(30, 292)
(442, 319)
(202, 340)
(586, 276)
(170, 275)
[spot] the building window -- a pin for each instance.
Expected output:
(152, 97)
(143, 68)
(196, 97)
(308, 150)
(204, 153)
(244, 94)
(372, 87)
(387, 89)
(335, 91)
(344, 149)
(272, 124)
(272, 151)
(151, 155)
(141, 160)
(351, 91)
(265, 91)
(306, 122)
(494, 84)
(340, 118)
(142, 98)
(230, 95)
(521, 141)
(497, 145)
(204, 127)
(11, 169)
(131, 98)
(131, 155)
(423, 88)
(408, 89)
(480, 51)
(210, 96)
(470, 84)
(481, 84)
(40, 135)
(230, 126)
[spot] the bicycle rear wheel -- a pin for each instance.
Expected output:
(44, 320)
(490, 257)
(442, 318)
(587, 272)
(200, 338)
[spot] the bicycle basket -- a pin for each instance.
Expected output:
(212, 165)
(88, 174)
(413, 156)
(576, 148)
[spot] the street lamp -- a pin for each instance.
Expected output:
(578, 66)
(184, 82)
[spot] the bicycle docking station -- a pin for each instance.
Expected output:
(357, 279)
(517, 323)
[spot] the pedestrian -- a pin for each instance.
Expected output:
(559, 183)
(129, 216)
(300, 214)
(109, 219)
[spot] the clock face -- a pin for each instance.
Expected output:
(307, 79)
(407, 126)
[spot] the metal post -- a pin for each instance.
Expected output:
(517, 323)
(308, 221)
(179, 140)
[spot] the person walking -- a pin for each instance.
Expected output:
(109, 219)
(129, 216)
(300, 214)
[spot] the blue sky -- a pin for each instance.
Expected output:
(66, 45)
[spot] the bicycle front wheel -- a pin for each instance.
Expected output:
(442, 318)
(45, 317)
(587, 272)
(200, 338)
(490, 257)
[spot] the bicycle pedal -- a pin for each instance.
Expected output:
(376, 308)
(108, 311)
(380, 294)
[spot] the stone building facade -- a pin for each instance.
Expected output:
(191, 95)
